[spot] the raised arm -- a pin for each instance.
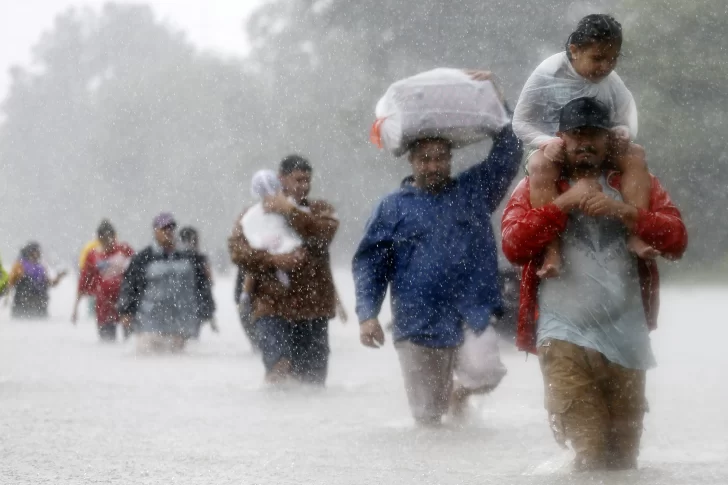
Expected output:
(489, 180)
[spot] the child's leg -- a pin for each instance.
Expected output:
(543, 175)
(636, 187)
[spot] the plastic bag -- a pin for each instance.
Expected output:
(478, 363)
(265, 183)
(442, 103)
(552, 85)
(268, 231)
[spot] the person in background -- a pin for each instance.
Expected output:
(87, 249)
(3, 279)
(165, 292)
(189, 239)
(31, 280)
(101, 278)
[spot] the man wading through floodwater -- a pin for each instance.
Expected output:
(590, 325)
(432, 243)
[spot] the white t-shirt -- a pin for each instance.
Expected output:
(552, 85)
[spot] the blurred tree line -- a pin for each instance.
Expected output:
(120, 116)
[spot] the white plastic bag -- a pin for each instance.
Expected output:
(478, 363)
(552, 85)
(442, 103)
(268, 231)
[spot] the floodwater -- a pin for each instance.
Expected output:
(75, 411)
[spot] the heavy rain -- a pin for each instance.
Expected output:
(329, 241)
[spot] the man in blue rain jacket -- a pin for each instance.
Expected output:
(433, 243)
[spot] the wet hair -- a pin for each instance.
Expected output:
(415, 145)
(105, 229)
(188, 235)
(292, 163)
(593, 29)
(29, 249)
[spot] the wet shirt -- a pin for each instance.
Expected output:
(596, 302)
(101, 277)
(168, 293)
(437, 253)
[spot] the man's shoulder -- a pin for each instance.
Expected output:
(396, 200)
(321, 207)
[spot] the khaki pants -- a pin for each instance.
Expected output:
(593, 403)
(427, 374)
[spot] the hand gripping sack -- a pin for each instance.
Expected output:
(442, 103)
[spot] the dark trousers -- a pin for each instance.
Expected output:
(304, 343)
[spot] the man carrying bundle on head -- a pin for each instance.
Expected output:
(431, 242)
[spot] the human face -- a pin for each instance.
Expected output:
(107, 240)
(165, 235)
(586, 148)
(431, 162)
(296, 184)
(595, 61)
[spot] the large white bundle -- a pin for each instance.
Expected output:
(268, 231)
(443, 103)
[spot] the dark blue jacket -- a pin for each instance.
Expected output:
(438, 253)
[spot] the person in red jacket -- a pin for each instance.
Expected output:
(101, 277)
(590, 325)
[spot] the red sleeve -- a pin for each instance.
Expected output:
(527, 231)
(662, 226)
(87, 280)
(127, 250)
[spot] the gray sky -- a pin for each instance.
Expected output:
(213, 24)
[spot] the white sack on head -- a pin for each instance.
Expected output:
(552, 85)
(442, 103)
(264, 184)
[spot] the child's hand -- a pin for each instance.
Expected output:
(278, 204)
(554, 150)
(620, 140)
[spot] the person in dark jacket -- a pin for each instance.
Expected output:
(189, 239)
(32, 281)
(166, 291)
(432, 243)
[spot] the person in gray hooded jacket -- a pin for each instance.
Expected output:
(166, 291)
